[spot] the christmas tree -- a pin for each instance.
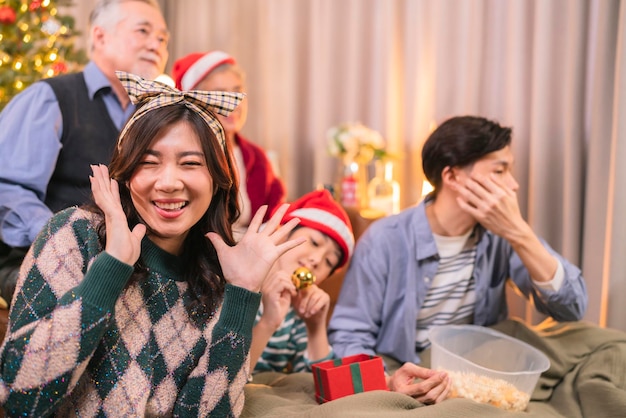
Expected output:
(35, 42)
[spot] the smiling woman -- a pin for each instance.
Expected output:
(172, 187)
(133, 295)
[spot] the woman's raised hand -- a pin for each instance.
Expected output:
(122, 243)
(247, 263)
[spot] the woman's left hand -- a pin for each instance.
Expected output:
(247, 263)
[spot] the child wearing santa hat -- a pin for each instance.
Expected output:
(258, 184)
(290, 327)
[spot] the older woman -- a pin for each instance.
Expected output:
(258, 184)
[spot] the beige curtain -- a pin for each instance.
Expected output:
(554, 70)
(604, 230)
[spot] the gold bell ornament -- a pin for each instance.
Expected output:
(302, 278)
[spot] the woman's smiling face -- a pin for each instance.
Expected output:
(171, 187)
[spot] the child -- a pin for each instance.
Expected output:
(127, 309)
(290, 329)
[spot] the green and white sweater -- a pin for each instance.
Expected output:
(83, 343)
(286, 350)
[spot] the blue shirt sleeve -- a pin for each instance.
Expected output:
(30, 142)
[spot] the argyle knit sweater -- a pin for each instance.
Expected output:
(84, 342)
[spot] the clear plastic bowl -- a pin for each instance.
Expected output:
(486, 365)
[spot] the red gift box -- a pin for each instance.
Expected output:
(346, 376)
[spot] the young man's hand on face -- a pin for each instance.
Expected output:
(493, 204)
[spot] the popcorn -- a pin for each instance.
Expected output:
(483, 389)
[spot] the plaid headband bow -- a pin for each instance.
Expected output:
(153, 94)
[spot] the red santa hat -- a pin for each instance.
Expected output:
(318, 210)
(189, 70)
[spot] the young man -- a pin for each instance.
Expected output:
(448, 259)
(56, 128)
(290, 331)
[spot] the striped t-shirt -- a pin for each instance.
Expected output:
(452, 293)
(286, 351)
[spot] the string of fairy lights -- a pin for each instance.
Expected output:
(36, 41)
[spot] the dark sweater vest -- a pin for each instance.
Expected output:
(89, 137)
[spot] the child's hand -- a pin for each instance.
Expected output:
(277, 291)
(312, 305)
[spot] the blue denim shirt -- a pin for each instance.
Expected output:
(390, 273)
(30, 142)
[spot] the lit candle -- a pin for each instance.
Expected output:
(426, 188)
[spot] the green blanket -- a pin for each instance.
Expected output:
(587, 378)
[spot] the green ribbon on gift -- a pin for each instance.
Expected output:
(355, 372)
(318, 374)
(357, 380)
